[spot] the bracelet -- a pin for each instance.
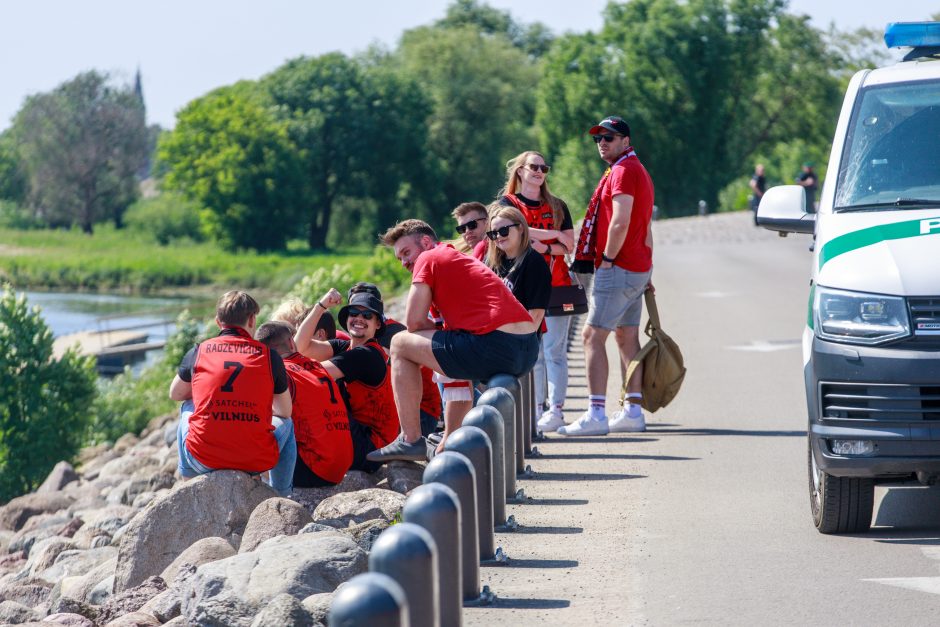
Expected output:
(606, 258)
(322, 305)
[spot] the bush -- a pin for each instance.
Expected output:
(167, 218)
(127, 403)
(12, 216)
(46, 403)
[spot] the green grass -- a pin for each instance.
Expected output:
(121, 261)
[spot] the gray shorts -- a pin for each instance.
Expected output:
(617, 298)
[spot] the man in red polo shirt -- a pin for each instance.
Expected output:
(616, 236)
(236, 402)
(321, 422)
(486, 335)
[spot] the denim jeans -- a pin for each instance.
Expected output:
(281, 477)
(552, 366)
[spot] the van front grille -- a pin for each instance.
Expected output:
(925, 315)
(862, 401)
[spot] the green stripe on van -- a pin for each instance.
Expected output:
(874, 234)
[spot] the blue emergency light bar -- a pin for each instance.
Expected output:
(912, 34)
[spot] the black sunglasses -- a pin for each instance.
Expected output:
(363, 313)
(472, 225)
(535, 167)
(502, 231)
(606, 138)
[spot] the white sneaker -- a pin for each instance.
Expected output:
(550, 421)
(623, 422)
(585, 425)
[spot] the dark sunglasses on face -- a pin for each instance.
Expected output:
(472, 225)
(362, 313)
(535, 167)
(606, 138)
(502, 231)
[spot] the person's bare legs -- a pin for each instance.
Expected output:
(595, 356)
(628, 341)
(454, 413)
(409, 352)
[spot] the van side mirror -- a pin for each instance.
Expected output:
(783, 209)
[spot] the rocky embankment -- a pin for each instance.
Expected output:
(121, 541)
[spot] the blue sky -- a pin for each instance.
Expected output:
(184, 49)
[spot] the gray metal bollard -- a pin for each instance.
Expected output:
(501, 399)
(369, 600)
(491, 421)
(456, 472)
(514, 387)
(534, 413)
(475, 444)
(436, 508)
(407, 553)
(527, 383)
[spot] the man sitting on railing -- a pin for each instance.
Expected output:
(236, 402)
(486, 331)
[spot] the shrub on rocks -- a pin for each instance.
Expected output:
(274, 517)
(217, 504)
(233, 591)
(358, 507)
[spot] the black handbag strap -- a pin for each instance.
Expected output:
(551, 269)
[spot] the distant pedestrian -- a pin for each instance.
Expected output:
(758, 185)
(616, 236)
(810, 184)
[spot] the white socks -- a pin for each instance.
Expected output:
(634, 410)
(598, 406)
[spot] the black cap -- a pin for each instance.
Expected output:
(364, 300)
(362, 286)
(611, 123)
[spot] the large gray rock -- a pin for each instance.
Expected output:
(134, 619)
(179, 621)
(86, 587)
(73, 562)
(165, 606)
(68, 605)
(13, 612)
(68, 620)
(31, 592)
(365, 534)
(131, 600)
(110, 518)
(232, 591)
(283, 610)
(274, 517)
(200, 552)
(400, 476)
(353, 481)
(358, 507)
(44, 553)
(91, 537)
(169, 433)
(37, 528)
(14, 514)
(217, 504)
(124, 443)
(126, 466)
(318, 606)
(62, 474)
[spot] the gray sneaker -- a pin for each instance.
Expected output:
(399, 450)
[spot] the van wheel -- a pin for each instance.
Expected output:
(839, 504)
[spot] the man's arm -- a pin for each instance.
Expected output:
(180, 390)
(619, 223)
(282, 404)
(417, 307)
(306, 345)
(755, 188)
(332, 370)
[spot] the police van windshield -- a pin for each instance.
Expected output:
(891, 157)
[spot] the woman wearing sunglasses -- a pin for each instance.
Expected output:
(552, 234)
(510, 255)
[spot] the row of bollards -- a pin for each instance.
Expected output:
(426, 568)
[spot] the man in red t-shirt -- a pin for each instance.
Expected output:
(623, 261)
(486, 335)
(321, 422)
(236, 401)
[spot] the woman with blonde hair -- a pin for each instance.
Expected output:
(552, 234)
(510, 255)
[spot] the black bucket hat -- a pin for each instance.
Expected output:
(364, 300)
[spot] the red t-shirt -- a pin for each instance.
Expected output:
(233, 386)
(543, 217)
(374, 405)
(468, 295)
(631, 178)
(321, 424)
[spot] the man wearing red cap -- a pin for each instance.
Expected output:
(616, 238)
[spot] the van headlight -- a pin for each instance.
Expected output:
(859, 318)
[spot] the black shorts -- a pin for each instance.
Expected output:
(362, 446)
(470, 357)
(306, 478)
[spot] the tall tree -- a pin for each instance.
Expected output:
(231, 155)
(81, 146)
(535, 39)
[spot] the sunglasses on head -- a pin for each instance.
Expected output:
(502, 231)
(535, 167)
(362, 313)
(472, 225)
(606, 138)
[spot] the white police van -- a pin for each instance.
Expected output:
(871, 346)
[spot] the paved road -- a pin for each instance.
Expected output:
(705, 518)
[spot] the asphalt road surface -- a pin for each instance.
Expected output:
(705, 517)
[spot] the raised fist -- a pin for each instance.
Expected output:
(332, 298)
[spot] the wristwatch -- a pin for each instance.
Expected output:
(606, 258)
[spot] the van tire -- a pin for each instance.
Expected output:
(839, 504)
